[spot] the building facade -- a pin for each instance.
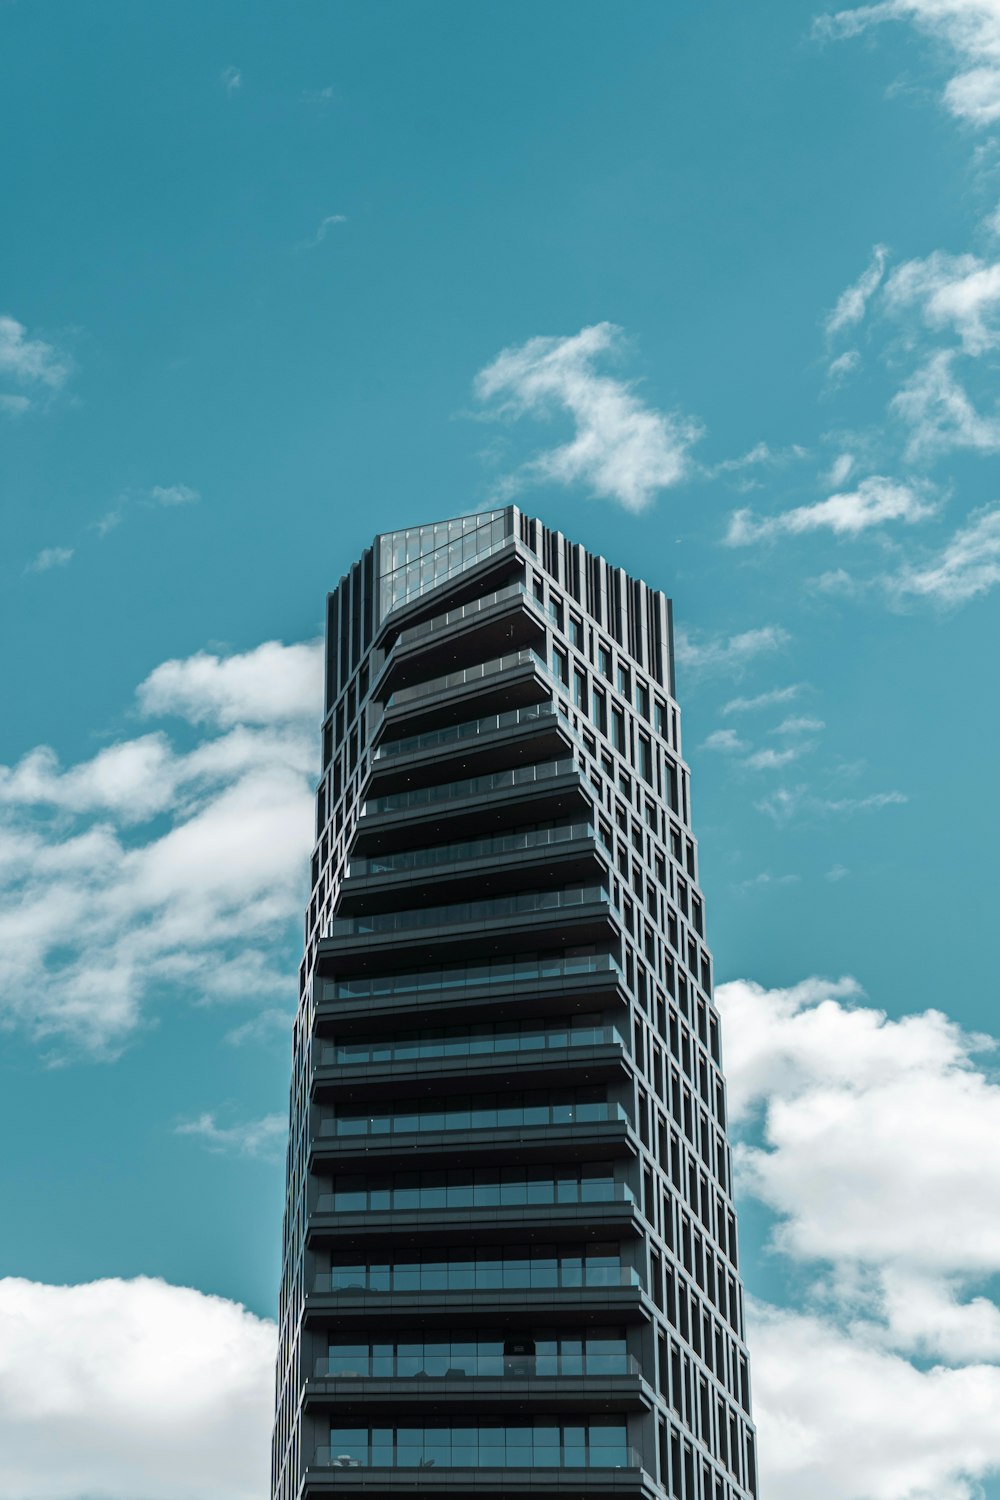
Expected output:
(510, 1257)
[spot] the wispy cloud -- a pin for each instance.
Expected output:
(34, 367)
(968, 29)
(968, 565)
(959, 292)
(323, 229)
(773, 760)
(231, 79)
(798, 725)
(843, 367)
(853, 301)
(728, 654)
(769, 699)
(268, 1026)
(766, 881)
(939, 412)
(622, 449)
(725, 740)
(875, 501)
(160, 496)
(264, 1138)
(49, 557)
(790, 802)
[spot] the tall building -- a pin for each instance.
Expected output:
(510, 1262)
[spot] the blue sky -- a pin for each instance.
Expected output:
(714, 289)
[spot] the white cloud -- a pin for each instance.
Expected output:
(853, 301)
(879, 1142)
(267, 1026)
(728, 654)
(837, 872)
(939, 412)
(797, 724)
(132, 1390)
(841, 1420)
(30, 364)
(969, 29)
(763, 700)
(875, 501)
(322, 230)
(960, 292)
(725, 740)
(264, 1138)
(231, 79)
(765, 880)
(773, 760)
(48, 558)
(843, 367)
(968, 565)
(147, 866)
(271, 684)
(791, 802)
(841, 469)
(173, 494)
(622, 449)
(873, 1141)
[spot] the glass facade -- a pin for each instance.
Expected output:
(540, 1444)
(413, 561)
(509, 1239)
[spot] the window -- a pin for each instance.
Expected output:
(556, 612)
(576, 632)
(539, 590)
(580, 689)
(624, 681)
(604, 661)
(560, 665)
(645, 759)
(642, 700)
(601, 710)
(618, 730)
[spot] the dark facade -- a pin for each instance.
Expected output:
(510, 1262)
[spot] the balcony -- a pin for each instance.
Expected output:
(477, 746)
(377, 943)
(331, 1473)
(577, 1055)
(484, 1385)
(590, 1132)
(565, 854)
(397, 1302)
(614, 1217)
(506, 682)
(547, 791)
(506, 620)
(496, 990)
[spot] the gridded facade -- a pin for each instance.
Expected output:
(510, 1259)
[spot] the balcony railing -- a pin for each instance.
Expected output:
(471, 786)
(470, 1276)
(470, 976)
(523, 903)
(499, 665)
(468, 611)
(464, 849)
(499, 1117)
(473, 1195)
(471, 729)
(483, 1367)
(479, 1458)
(346, 1054)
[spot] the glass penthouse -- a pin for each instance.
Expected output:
(510, 1261)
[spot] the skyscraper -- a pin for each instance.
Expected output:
(510, 1259)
